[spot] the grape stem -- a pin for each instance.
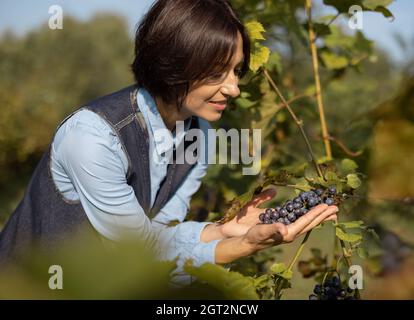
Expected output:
(299, 251)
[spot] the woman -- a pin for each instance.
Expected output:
(105, 168)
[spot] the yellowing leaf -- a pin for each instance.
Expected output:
(255, 30)
(259, 56)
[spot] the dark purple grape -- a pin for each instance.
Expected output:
(283, 212)
(317, 289)
(297, 200)
(289, 207)
(268, 211)
(313, 297)
(335, 282)
(328, 283)
(332, 190)
(261, 217)
(274, 215)
(303, 211)
(297, 205)
(319, 192)
(286, 221)
(277, 208)
(281, 220)
(342, 294)
(329, 201)
(303, 195)
(312, 202)
(297, 212)
(327, 290)
(292, 217)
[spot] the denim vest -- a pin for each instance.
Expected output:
(45, 218)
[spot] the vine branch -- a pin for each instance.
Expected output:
(298, 122)
(315, 65)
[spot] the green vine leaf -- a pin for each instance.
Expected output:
(333, 61)
(362, 253)
(353, 181)
(348, 166)
(352, 224)
(348, 237)
(281, 270)
(232, 284)
(278, 268)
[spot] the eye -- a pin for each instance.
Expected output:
(238, 72)
(216, 76)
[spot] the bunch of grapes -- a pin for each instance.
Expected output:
(293, 209)
(331, 289)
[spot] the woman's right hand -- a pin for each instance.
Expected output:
(262, 236)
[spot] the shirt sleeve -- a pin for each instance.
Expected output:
(89, 153)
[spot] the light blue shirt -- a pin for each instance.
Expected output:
(89, 165)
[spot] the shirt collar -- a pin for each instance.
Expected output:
(153, 119)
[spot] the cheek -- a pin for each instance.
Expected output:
(200, 98)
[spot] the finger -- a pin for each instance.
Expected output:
(262, 197)
(328, 214)
(270, 232)
(275, 233)
(281, 229)
(332, 217)
(307, 219)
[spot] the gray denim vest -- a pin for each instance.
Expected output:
(46, 219)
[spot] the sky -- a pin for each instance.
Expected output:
(21, 16)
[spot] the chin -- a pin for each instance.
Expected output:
(212, 116)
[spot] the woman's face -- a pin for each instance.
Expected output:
(209, 99)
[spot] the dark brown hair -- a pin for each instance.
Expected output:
(179, 42)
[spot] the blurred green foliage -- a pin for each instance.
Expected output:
(45, 75)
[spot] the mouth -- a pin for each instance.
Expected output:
(219, 105)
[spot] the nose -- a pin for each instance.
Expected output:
(230, 86)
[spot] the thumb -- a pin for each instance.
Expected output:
(272, 229)
(262, 197)
(277, 231)
(280, 228)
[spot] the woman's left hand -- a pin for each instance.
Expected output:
(248, 215)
